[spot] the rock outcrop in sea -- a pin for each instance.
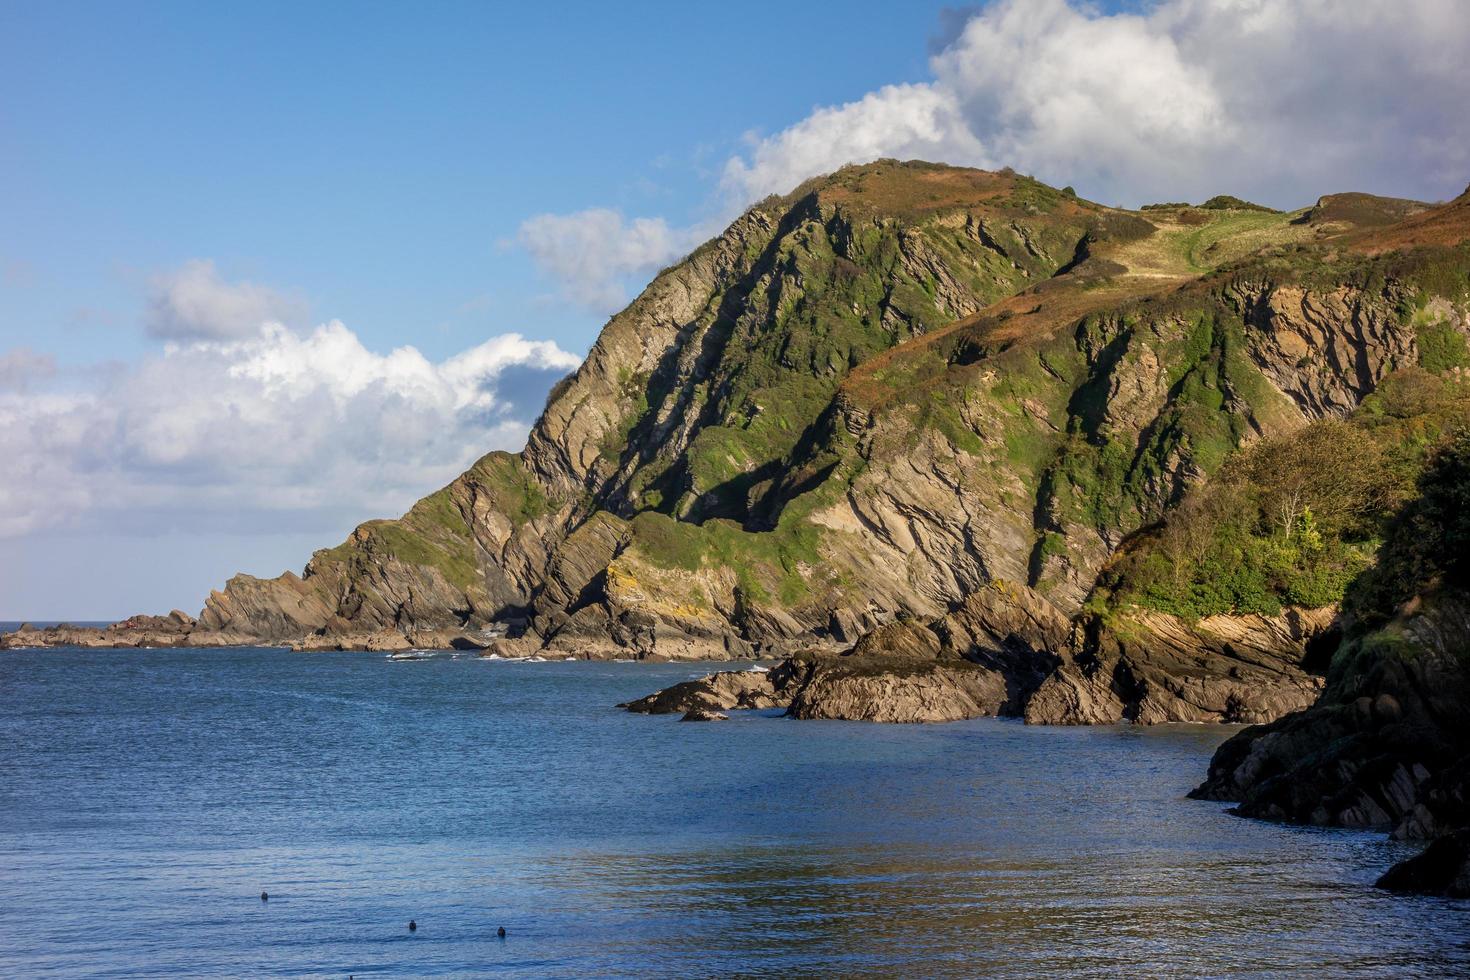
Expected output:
(1007, 651)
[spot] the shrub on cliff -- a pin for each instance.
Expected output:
(1295, 521)
(1428, 543)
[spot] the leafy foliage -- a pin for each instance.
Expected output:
(1228, 202)
(1441, 347)
(1428, 543)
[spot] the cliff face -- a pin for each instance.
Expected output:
(869, 399)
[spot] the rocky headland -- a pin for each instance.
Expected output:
(947, 443)
(869, 398)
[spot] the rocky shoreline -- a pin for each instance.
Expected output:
(1386, 748)
(180, 630)
(1006, 651)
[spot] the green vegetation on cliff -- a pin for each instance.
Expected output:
(1427, 546)
(859, 262)
(1293, 521)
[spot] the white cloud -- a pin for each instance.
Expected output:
(593, 254)
(308, 430)
(1278, 100)
(194, 303)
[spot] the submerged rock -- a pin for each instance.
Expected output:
(704, 714)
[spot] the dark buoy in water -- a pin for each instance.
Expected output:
(413, 926)
(500, 932)
(264, 897)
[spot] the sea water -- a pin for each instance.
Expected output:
(147, 798)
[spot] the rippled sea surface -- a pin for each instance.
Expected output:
(148, 797)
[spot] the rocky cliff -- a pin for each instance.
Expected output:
(870, 399)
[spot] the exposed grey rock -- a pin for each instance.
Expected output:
(876, 689)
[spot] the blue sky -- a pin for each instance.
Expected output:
(270, 269)
(372, 156)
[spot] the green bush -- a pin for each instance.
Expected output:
(1296, 521)
(1441, 347)
(1427, 543)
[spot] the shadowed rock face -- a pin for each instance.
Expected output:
(1442, 869)
(1152, 668)
(1385, 748)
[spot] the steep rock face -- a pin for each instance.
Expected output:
(1006, 628)
(1325, 349)
(1152, 668)
(464, 556)
(270, 609)
(662, 330)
